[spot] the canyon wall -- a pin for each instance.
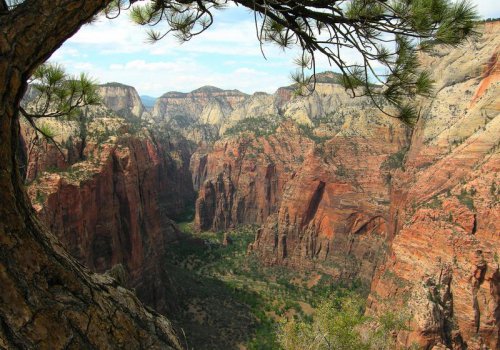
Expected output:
(208, 104)
(113, 206)
(334, 211)
(233, 180)
(443, 265)
(241, 179)
(413, 213)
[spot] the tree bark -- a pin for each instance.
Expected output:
(48, 300)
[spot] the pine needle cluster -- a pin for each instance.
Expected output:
(55, 94)
(386, 34)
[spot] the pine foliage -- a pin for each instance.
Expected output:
(386, 34)
(55, 94)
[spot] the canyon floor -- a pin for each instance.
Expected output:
(229, 300)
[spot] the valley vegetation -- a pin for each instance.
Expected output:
(52, 300)
(230, 299)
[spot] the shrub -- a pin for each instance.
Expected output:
(466, 199)
(395, 160)
(259, 126)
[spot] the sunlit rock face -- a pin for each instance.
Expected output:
(197, 115)
(444, 216)
(232, 176)
(122, 99)
(241, 179)
(333, 215)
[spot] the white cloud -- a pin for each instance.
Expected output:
(156, 78)
(111, 36)
(488, 8)
(84, 66)
(244, 70)
(227, 55)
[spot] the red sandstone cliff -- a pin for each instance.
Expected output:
(114, 205)
(241, 179)
(334, 211)
(443, 265)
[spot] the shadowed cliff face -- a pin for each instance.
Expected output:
(114, 205)
(443, 262)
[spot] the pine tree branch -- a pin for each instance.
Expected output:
(50, 21)
(49, 138)
(3, 6)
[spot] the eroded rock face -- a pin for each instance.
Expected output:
(122, 99)
(443, 266)
(232, 187)
(197, 115)
(204, 103)
(114, 206)
(330, 207)
(241, 179)
(334, 212)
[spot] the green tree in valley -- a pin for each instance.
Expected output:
(334, 327)
(47, 298)
(339, 323)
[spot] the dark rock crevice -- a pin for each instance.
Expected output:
(314, 202)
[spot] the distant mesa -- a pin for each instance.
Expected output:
(208, 89)
(328, 78)
(173, 94)
(117, 85)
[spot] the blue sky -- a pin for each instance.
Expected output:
(227, 55)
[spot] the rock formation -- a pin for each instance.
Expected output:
(113, 205)
(122, 99)
(241, 179)
(443, 265)
(232, 176)
(207, 104)
(333, 215)
(197, 115)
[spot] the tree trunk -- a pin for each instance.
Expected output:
(48, 300)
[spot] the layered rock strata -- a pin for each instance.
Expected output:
(241, 179)
(114, 205)
(333, 215)
(122, 99)
(443, 265)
